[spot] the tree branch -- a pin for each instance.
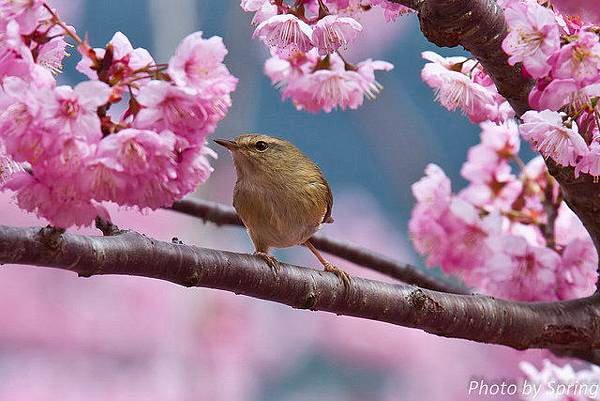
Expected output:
(573, 325)
(224, 215)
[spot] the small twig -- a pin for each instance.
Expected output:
(108, 229)
(56, 19)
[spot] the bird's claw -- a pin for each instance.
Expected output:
(329, 267)
(271, 261)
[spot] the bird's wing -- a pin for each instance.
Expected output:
(329, 199)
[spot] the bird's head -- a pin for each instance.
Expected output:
(256, 154)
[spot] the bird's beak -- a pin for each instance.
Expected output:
(231, 145)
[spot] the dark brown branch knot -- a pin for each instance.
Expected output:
(51, 236)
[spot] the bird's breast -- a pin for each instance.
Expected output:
(278, 214)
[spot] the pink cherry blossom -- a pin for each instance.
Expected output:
(503, 138)
(532, 38)
(451, 233)
(392, 10)
(545, 132)
(51, 54)
(285, 33)
(578, 275)
(467, 233)
(579, 59)
(55, 198)
(179, 109)
(454, 89)
(8, 167)
(489, 235)
(552, 95)
(562, 92)
(434, 189)
(21, 122)
(26, 13)
(487, 162)
(590, 162)
(66, 156)
(146, 169)
(252, 5)
(326, 90)
(332, 32)
(132, 168)
(125, 58)
(333, 84)
(568, 227)
(75, 153)
(428, 237)
(193, 168)
(76, 109)
(282, 71)
(366, 69)
(484, 166)
(15, 57)
(491, 182)
(298, 35)
(521, 271)
(198, 63)
(267, 11)
(433, 200)
(498, 194)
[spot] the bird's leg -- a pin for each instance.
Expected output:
(262, 251)
(273, 263)
(329, 267)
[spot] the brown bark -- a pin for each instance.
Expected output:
(572, 326)
(225, 215)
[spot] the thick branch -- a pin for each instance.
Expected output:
(561, 325)
(225, 215)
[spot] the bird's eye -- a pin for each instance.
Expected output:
(261, 146)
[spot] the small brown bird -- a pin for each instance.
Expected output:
(280, 195)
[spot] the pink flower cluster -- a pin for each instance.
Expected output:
(75, 153)
(562, 53)
(505, 234)
(510, 234)
(305, 41)
(462, 83)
